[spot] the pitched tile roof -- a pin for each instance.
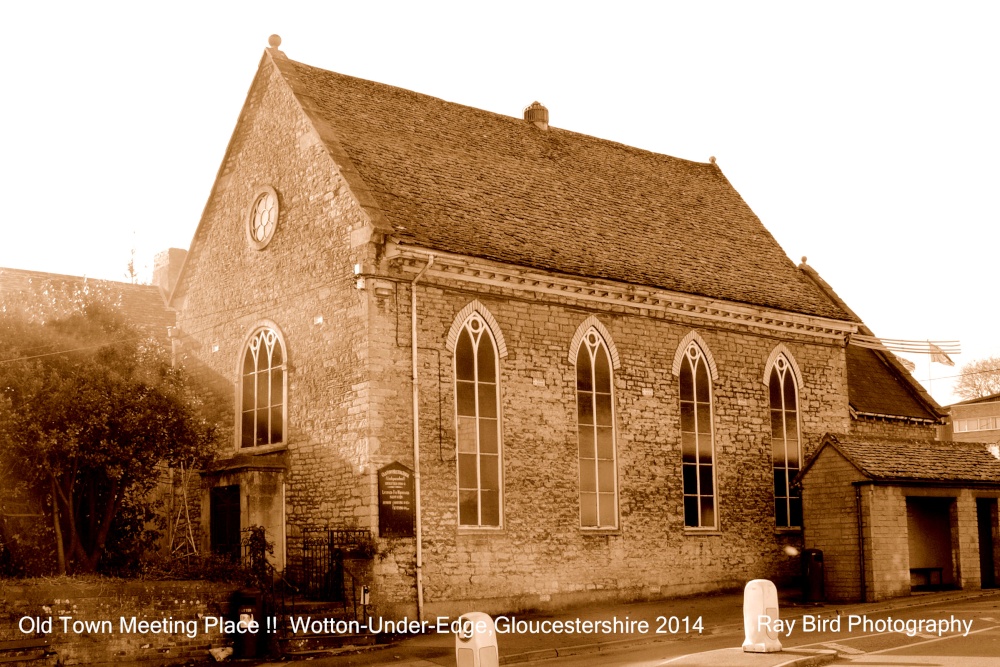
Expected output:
(142, 304)
(890, 459)
(874, 387)
(463, 180)
(877, 383)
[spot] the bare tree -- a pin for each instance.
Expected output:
(979, 378)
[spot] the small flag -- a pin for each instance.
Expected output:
(938, 355)
(907, 364)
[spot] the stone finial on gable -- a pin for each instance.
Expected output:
(273, 42)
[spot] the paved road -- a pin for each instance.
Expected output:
(921, 639)
(979, 648)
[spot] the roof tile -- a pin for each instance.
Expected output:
(472, 182)
(874, 388)
(890, 459)
(142, 304)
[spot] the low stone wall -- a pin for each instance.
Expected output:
(103, 622)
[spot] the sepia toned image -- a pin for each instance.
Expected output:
(439, 334)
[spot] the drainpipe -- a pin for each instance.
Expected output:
(861, 542)
(284, 527)
(418, 525)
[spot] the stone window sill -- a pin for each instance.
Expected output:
(601, 532)
(263, 449)
(481, 530)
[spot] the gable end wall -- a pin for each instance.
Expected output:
(306, 273)
(829, 509)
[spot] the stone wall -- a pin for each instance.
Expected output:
(891, 428)
(541, 555)
(830, 515)
(349, 411)
(301, 285)
(91, 621)
(965, 540)
(887, 548)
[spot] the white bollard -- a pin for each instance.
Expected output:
(760, 617)
(476, 641)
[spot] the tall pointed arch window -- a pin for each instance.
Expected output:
(477, 401)
(786, 450)
(595, 424)
(263, 391)
(697, 440)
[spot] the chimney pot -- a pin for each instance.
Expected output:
(537, 114)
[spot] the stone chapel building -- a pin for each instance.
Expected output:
(602, 370)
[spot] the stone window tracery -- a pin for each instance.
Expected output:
(262, 410)
(596, 433)
(697, 440)
(262, 218)
(786, 452)
(477, 405)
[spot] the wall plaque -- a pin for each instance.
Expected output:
(396, 504)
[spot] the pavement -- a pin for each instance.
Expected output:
(735, 657)
(611, 628)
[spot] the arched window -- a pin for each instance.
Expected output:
(785, 444)
(595, 424)
(263, 389)
(697, 440)
(477, 401)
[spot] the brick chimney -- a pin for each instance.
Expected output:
(166, 268)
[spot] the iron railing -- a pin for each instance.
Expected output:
(317, 571)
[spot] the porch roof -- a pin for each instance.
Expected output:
(901, 460)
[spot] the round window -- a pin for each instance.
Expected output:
(262, 218)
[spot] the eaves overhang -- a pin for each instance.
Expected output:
(929, 483)
(857, 414)
(475, 271)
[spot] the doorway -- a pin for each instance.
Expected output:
(224, 513)
(929, 534)
(986, 518)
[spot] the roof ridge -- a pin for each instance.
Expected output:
(477, 183)
(502, 116)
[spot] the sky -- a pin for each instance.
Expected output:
(864, 135)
